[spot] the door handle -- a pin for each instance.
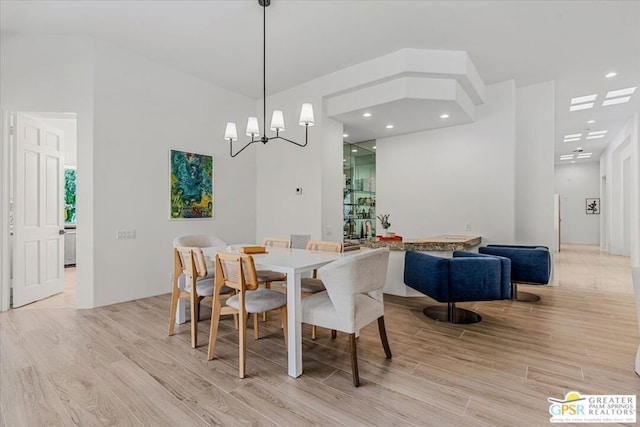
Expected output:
(61, 232)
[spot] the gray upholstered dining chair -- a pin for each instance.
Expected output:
(313, 285)
(200, 241)
(352, 300)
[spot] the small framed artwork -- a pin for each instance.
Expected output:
(593, 206)
(191, 188)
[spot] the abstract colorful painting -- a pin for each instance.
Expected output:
(191, 185)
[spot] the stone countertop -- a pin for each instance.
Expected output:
(439, 243)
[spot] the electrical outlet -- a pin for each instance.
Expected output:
(468, 227)
(126, 234)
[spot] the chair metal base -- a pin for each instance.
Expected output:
(516, 295)
(452, 314)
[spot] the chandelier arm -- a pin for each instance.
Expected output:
(293, 142)
(242, 149)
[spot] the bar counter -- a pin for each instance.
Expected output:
(448, 243)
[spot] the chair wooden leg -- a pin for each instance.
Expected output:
(256, 331)
(235, 321)
(334, 334)
(314, 331)
(242, 368)
(354, 360)
(267, 285)
(213, 332)
(194, 321)
(285, 327)
(174, 308)
(383, 337)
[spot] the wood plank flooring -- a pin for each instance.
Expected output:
(115, 365)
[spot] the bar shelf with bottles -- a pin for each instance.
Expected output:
(359, 197)
(359, 209)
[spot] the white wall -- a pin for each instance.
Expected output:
(131, 111)
(142, 110)
(620, 161)
(575, 183)
(535, 129)
(317, 168)
(436, 182)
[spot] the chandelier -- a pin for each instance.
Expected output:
(277, 119)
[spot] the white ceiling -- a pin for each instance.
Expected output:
(572, 42)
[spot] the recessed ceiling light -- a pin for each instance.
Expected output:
(444, 116)
(573, 161)
(615, 101)
(366, 115)
(581, 107)
(598, 132)
(611, 74)
(573, 135)
(571, 140)
(374, 147)
(345, 135)
(595, 137)
(584, 155)
(620, 92)
(566, 157)
(354, 151)
(389, 126)
(590, 122)
(583, 99)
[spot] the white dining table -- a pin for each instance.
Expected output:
(295, 263)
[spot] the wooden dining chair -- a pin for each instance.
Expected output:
(238, 272)
(313, 285)
(190, 262)
(266, 277)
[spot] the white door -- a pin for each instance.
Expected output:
(38, 256)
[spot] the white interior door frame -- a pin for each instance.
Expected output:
(5, 163)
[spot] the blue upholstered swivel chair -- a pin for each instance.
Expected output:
(465, 277)
(530, 265)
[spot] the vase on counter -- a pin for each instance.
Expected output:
(385, 232)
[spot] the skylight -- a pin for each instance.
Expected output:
(583, 99)
(615, 101)
(581, 107)
(620, 92)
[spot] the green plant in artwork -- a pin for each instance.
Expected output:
(70, 195)
(191, 185)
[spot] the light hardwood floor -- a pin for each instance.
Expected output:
(116, 365)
